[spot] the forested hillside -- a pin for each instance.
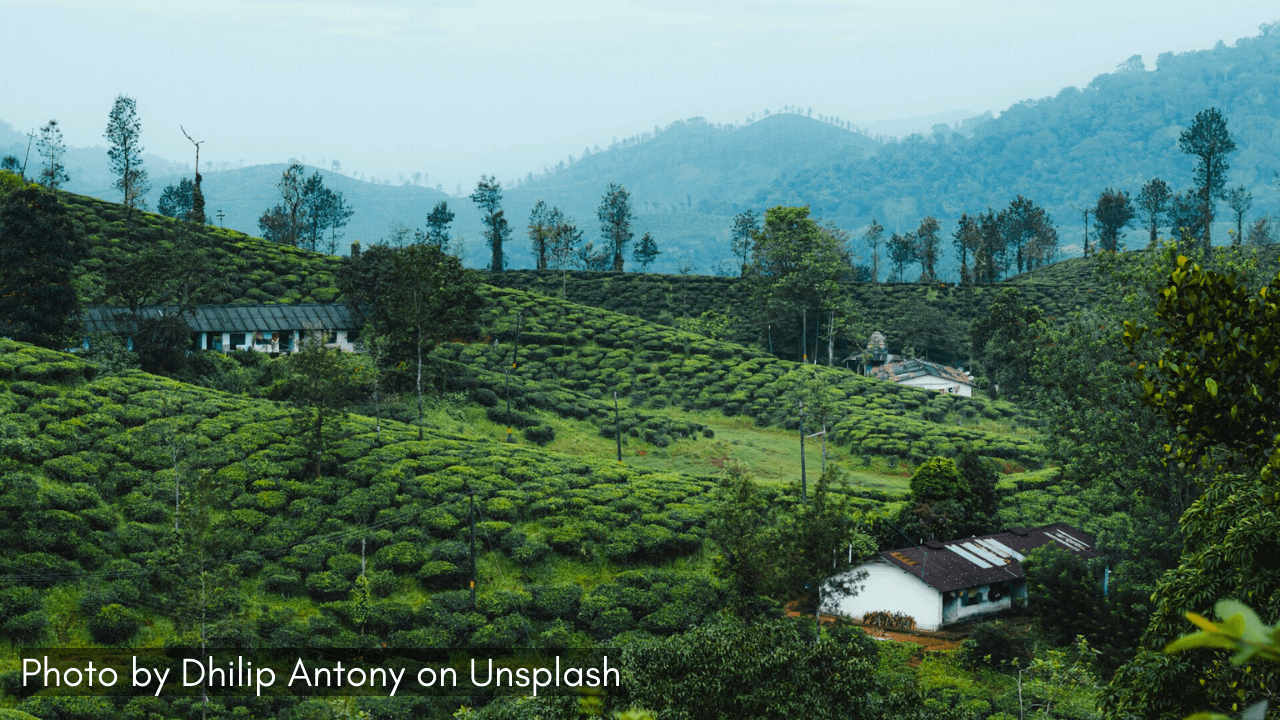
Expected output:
(1118, 131)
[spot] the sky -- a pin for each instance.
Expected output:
(454, 89)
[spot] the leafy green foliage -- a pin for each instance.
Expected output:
(1217, 381)
(39, 247)
(770, 670)
(947, 501)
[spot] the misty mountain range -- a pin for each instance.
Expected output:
(688, 180)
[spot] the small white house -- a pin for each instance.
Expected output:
(927, 375)
(223, 328)
(939, 584)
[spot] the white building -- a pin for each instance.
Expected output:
(927, 375)
(223, 328)
(940, 583)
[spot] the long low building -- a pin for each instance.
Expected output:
(941, 583)
(223, 328)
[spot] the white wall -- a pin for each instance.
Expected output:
(930, 382)
(888, 587)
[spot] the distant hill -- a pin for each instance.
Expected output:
(687, 181)
(673, 175)
(1120, 130)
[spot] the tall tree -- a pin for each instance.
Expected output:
(745, 226)
(286, 222)
(874, 237)
(323, 379)
(966, 240)
(1028, 233)
(1153, 200)
(430, 296)
(646, 251)
(322, 210)
(540, 230)
(798, 269)
(992, 253)
(565, 237)
(488, 195)
(438, 221)
(175, 200)
(1113, 213)
(124, 132)
(1209, 140)
(1239, 200)
(39, 249)
(51, 148)
(929, 247)
(614, 215)
(902, 250)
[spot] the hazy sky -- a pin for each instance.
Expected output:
(455, 89)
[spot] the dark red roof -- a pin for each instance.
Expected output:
(986, 559)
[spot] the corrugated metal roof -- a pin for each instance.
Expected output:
(230, 318)
(969, 562)
(908, 369)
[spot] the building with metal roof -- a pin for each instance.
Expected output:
(925, 374)
(264, 328)
(941, 583)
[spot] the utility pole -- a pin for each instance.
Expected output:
(804, 481)
(617, 425)
(471, 495)
(515, 355)
(220, 216)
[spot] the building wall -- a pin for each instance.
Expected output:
(954, 610)
(887, 587)
(929, 382)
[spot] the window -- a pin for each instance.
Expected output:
(970, 597)
(237, 340)
(352, 336)
(998, 591)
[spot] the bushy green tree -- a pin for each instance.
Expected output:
(772, 670)
(427, 296)
(646, 251)
(488, 197)
(175, 200)
(1213, 384)
(614, 214)
(1113, 212)
(1004, 340)
(797, 269)
(39, 249)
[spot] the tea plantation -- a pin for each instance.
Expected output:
(241, 269)
(571, 549)
(572, 359)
